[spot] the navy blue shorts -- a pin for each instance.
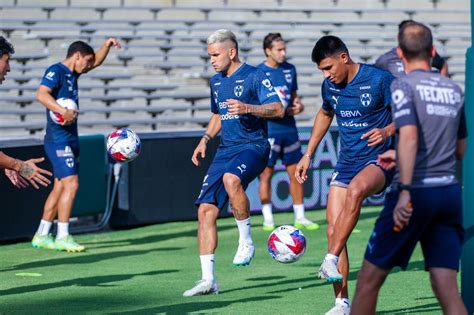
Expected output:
(245, 161)
(345, 171)
(64, 158)
(284, 146)
(436, 222)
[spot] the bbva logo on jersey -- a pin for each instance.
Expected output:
(238, 90)
(366, 99)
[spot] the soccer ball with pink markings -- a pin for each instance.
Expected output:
(123, 145)
(286, 244)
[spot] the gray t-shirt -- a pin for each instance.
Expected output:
(434, 104)
(390, 62)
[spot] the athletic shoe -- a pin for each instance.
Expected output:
(340, 309)
(43, 241)
(203, 287)
(244, 254)
(328, 271)
(269, 227)
(68, 244)
(306, 224)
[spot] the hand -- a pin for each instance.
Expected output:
(301, 168)
(375, 136)
(16, 179)
(235, 107)
(403, 211)
(33, 174)
(387, 160)
(69, 116)
(112, 42)
(297, 107)
(200, 150)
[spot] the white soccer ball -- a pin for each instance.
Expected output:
(123, 145)
(286, 244)
(67, 103)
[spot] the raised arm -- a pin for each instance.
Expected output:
(103, 51)
(271, 110)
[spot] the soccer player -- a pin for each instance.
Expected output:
(359, 96)
(392, 63)
(424, 203)
(282, 133)
(241, 98)
(61, 142)
(20, 173)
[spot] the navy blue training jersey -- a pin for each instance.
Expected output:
(248, 85)
(360, 106)
(285, 83)
(63, 84)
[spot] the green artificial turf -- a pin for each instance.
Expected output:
(146, 270)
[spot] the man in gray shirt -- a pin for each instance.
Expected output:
(424, 203)
(393, 64)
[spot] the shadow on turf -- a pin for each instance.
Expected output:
(311, 278)
(200, 307)
(427, 308)
(149, 239)
(99, 281)
(85, 258)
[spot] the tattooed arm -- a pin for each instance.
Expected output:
(272, 110)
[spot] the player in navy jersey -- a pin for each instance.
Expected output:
(61, 141)
(241, 98)
(424, 203)
(359, 96)
(20, 173)
(392, 63)
(282, 133)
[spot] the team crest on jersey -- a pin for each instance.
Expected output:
(366, 99)
(238, 90)
(266, 83)
(288, 77)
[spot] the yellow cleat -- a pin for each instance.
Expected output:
(67, 244)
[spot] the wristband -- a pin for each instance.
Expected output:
(207, 137)
(401, 187)
(308, 156)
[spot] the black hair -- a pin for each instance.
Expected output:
(328, 46)
(269, 39)
(79, 46)
(6, 47)
(416, 41)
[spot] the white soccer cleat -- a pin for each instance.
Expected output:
(203, 287)
(244, 254)
(328, 271)
(340, 309)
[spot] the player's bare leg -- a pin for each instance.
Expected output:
(367, 182)
(240, 206)
(297, 195)
(265, 193)
(369, 281)
(445, 286)
(207, 244)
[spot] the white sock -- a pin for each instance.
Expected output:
(299, 212)
(63, 229)
(267, 213)
(343, 301)
(207, 267)
(44, 228)
(331, 257)
(244, 231)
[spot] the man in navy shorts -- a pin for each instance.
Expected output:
(359, 96)
(424, 204)
(61, 141)
(282, 133)
(241, 98)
